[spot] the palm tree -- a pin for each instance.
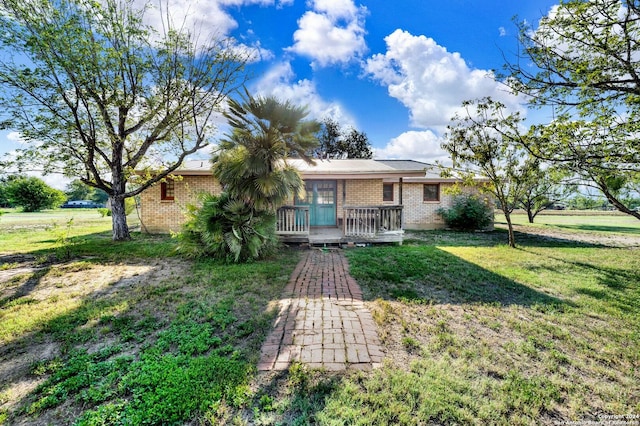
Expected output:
(251, 160)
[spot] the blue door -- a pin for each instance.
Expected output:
(321, 199)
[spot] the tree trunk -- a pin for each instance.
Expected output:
(119, 219)
(512, 238)
(530, 215)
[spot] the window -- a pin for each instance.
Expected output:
(431, 192)
(167, 190)
(387, 192)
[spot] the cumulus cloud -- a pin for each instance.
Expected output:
(207, 18)
(331, 33)
(431, 81)
(502, 31)
(415, 145)
(280, 81)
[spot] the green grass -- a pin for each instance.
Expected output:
(494, 335)
(474, 333)
(611, 223)
(74, 232)
(166, 343)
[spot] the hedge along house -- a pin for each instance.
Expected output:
(346, 201)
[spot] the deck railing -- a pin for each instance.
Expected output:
(293, 220)
(372, 221)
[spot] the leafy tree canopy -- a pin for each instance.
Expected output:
(584, 61)
(483, 143)
(334, 142)
(98, 94)
(33, 194)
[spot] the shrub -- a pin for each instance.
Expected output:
(129, 207)
(103, 212)
(33, 194)
(467, 213)
(227, 229)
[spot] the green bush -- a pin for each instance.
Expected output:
(228, 229)
(129, 207)
(103, 212)
(33, 194)
(467, 213)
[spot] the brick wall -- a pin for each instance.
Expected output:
(161, 216)
(419, 214)
(365, 192)
(164, 216)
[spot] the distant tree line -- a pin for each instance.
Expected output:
(32, 194)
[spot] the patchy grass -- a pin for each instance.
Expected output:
(474, 333)
(479, 333)
(107, 337)
(162, 343)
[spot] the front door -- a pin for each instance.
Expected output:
(321, 199)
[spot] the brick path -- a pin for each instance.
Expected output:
(322, 321)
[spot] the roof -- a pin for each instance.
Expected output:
(405, 164)
(334, 169)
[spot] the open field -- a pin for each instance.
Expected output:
(93, 332)
(607, 222)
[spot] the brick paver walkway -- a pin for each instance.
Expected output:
(322, 321)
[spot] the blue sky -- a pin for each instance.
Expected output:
(394, 70)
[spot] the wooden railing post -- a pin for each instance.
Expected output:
(292, 220)
(372, 221)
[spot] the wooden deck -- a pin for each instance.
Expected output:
(359, 225)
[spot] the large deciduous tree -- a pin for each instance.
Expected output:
(481, 144)
(99, 95)
(584, 61)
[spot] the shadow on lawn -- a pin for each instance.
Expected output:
(190, 335)
(498, 237)
(618, 286)
(54, 340)
(427, 274)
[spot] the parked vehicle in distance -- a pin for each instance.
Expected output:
(81, 204)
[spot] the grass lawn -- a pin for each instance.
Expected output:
(609, 223)
(475, 333)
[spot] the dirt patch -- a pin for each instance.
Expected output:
(53, 291)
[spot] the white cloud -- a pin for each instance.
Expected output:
(280, 82)
(430, 81)
(15, 137)
(207, 18)
(502, 31)
(332, 33)
(336, 9)
(414, 145)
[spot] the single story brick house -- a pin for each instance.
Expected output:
(346, 200)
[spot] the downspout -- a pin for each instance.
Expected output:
(400, 199)
(344, 200)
